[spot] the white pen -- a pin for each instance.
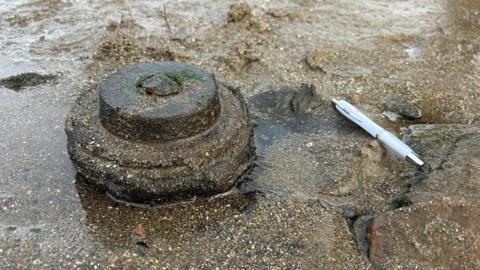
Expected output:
(390, 141)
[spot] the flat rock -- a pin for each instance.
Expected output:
(442, 235)
(453, 153)
(439, 228)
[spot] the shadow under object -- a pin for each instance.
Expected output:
(161, 132)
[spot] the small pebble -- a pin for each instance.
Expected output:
(238, 12)
(402, 107)
(139, 231)
(392, 116)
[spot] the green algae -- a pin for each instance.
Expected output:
(18, 82)
(182, 76)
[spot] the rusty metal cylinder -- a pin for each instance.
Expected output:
(160, 132)
(159, 102)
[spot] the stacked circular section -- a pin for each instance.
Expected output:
(160, 132)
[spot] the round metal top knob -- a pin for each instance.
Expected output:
(160, 85)
(159, 101)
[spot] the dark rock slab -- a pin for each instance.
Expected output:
(20, 81)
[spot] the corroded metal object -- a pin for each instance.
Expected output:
(161, 132)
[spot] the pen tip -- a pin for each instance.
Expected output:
(334, 101)
(415, 159)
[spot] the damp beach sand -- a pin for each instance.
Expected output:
(322, 194)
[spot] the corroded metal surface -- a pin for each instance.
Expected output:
(159, 101)
(149, 148)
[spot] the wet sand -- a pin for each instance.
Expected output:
(316, 172)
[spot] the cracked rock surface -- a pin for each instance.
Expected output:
(439, 223)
